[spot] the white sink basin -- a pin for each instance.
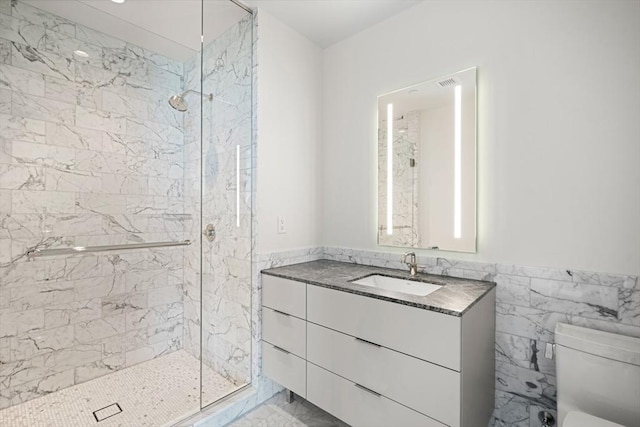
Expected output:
(398, 285)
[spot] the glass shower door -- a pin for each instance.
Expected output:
(92, 155)
(218, 192)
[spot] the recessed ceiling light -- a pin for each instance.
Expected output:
(81, 53)
(118, 1)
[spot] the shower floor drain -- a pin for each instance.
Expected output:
(107, 412)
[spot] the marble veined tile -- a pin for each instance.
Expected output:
(41, 294)
(82, 93)
(5, 101)
(50, 156)
(72, 137)
(22, 129)
(98, 161)
(20, 226)
(575, 298)
(523, 352)
(40, 61)
(77, 181)
(35, 17)
(100, 120)
(629, 307)
(125, 184)
(155, 59)
(6, 147)
(70, 224)
(125, 105)
(103, 203)
(97, 329)
(89, 75)
(21, 31)
(510, 410)
(5, 202)
(153, 130)
(14, 323)
(42, 201)
(528, 322)
(537, 386)
(38, 108)
(5, 50)
(21, 177)
(20, 80)
(5, 7)
(66, 44)
(72, 312)
(82, 270)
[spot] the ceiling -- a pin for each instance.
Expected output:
(172, 27)
(326, 22)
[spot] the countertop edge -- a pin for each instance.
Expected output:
(490, 286)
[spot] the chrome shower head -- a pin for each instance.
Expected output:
(178, 102)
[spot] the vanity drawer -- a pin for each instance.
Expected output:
(285, 368)
(423, 386)
(425, 334)
(359, 407)
(285, 331)
(284, 295)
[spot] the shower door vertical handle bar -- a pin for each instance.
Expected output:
(86, 249)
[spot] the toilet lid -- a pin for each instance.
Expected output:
(580, 419)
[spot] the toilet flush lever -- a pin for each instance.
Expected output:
(548, 350)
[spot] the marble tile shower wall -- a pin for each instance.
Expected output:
(529, 303)
(90, 154)
(226, 261)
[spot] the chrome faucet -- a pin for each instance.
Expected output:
(412, 264)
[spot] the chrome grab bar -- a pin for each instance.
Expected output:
(86, 249)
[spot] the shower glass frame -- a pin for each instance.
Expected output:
(207, 141)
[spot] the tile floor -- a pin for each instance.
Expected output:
(153, 394)
(276, 412)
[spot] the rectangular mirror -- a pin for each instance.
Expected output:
(427, 164)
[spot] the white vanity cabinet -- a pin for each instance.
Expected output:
(372, 362)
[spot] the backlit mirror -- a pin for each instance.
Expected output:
(427, 164)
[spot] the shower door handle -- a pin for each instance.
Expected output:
(210, 232)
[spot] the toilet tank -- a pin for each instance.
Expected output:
(598, 373)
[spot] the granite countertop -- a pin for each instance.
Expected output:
(455, 297)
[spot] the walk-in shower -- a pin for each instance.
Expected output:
(114, 308)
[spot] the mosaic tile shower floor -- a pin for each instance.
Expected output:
(156, 393)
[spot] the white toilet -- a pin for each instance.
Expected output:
(598, 376)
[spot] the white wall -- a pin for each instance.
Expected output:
(559, 134)
(289, 112)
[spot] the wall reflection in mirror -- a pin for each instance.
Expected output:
(427, 164)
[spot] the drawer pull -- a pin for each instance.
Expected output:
(368, 342)
(281, 312)
(280, 348)
(367, 390)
